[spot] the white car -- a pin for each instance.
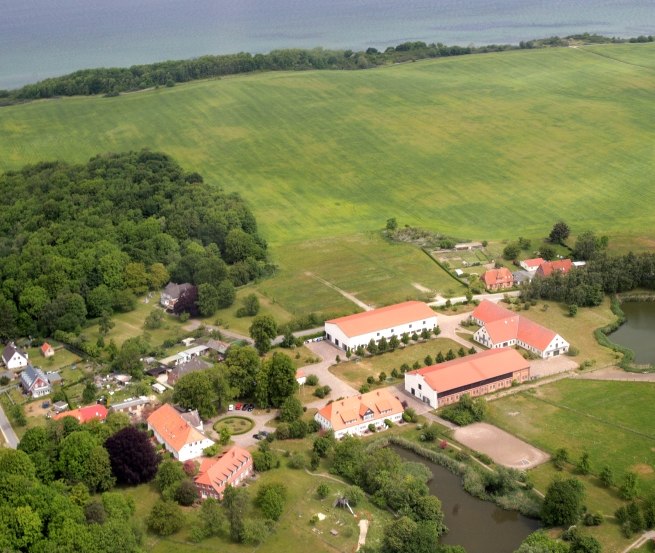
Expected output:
(230, 407)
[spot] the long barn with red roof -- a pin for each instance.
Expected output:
(394, 320)
(476, 375)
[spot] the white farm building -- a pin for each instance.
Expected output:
(394, 320)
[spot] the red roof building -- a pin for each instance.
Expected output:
(47, 350)
(532, 264)
(498, 279)
(549, 267)
(216, 474)
(85, 414)
(357, 330)
(500, 328)
(477, 374)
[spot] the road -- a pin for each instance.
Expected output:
(461, 299)
(7, 430)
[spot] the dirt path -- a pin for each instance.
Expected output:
(345, 294)
(614, 373)
(422, 288)
(327, 352)
(641, 541)
(363, 530)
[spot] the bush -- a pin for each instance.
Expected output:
(395, 373)
(484, 458)
(312, 380)
(186, 493)
(382, 376)
(573, 351)
(370, 380)
(354, 495)
(592, 519)
(430, 433)
(296, 461)
(322, 391)
(165, 518)
(322, 491)
(461, 456)
(388, 423)
(371, 427)
(410, 415)
(211, 450)
(364, 389)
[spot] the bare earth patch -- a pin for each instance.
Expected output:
(421, 288)
(502, 447)
(642, 468)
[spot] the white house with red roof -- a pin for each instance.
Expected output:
(500, 328)
(394, 320)
(301, 377)
(531, 265)
(498, 279)
(216, 473)
(177, 434)
(85, 414)
(476, 375)
(353, 415)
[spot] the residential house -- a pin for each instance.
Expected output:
(549, 267)
(134, 406)
(497, 279)
(85, 414)
(477, 374)
(13, 358)
(502, 328)
(531, 265)
(47, 350)
(178, 371)
(394, 320)
(34, 382)
(215, 474)
(178, 436)
(353, 415)
(217, 348)
(172, 294)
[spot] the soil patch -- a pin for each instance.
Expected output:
(642, 468)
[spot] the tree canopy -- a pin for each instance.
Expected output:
(81, 240)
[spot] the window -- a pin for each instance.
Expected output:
(410, 326)
(420, 386)
(378, 334)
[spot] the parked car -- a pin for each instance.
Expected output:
(230, 407)
(263, 433)
(249, 407)
(258, 436)
(238, 406)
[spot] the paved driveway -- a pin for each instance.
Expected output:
(327, 352)
(261, 418)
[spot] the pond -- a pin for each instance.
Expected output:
(638, 332)
(479, 526)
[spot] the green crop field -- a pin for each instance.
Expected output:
(612, 421)
(483, 147)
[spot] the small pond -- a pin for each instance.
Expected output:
(479, 526)
(638, 332)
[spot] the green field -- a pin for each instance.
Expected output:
(356, 372)
(484, 147)
(613, 421)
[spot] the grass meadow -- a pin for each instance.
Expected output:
(484, 147)
(612, 421)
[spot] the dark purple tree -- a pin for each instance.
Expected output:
(186, 303)
(132, 456)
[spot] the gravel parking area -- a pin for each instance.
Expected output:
(503, 448)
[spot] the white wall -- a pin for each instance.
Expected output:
(344, 342)
(422, 390)
(193, 450)
(359, 429)
(17, 361)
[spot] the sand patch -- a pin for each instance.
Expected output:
(421, 288)
(642, 468)
(321, 516)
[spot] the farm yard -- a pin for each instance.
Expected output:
(430, 143)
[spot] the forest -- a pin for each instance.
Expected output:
(112, 81)
(83, 241)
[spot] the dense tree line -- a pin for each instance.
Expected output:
(603, 274)
(81, 241)
(55, 489)
(112, 81)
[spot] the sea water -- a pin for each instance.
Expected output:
(44, 38)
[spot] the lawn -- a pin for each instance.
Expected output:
(356, 372)
(597, 499)
(235, 424)
(577, 330)
(481, 147)
(293, 532)
(612, 421)
(61, 358)
(129, 325)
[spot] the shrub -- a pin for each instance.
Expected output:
(186, 493)
(370, 380)
(371, 427)
(395, 373)
(382, 376)
(211, 450)
(404, 368)
(592, 519)
(461, 456)
(484, 458)
(322, 491)
(388, 423)
(443, 444)
(364, 389)
(430, 433)
(296, 461)
(573, 351)
(322, 391)
(354, 495)
(410, 415)
(312, 380)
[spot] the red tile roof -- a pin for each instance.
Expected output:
(503, 325)
(350, 411)
(85, 414)
(46, 347)
(493, 277)
(488, 311)
(547, 268)
(471, 369)
(221, 471)
(173, 429)
(383, 318)
(533, 263)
